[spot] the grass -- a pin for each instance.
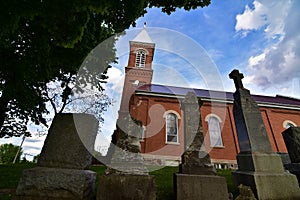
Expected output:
(230, 186)
(164, 182)
(10, 175)
(9, 178)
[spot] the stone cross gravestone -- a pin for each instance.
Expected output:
(197, 177)
(252, 134)
(258, 166)
(127, 173)
(61, 171)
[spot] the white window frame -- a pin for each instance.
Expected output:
(215, 137)
(143, 133)
(166, 114)
(289, 123)
(140, 59)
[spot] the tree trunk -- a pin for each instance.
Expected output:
(3, 109)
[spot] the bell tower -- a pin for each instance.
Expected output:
(139, 69)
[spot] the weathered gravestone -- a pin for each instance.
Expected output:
(61, 173)
(197, 177)
(291, 138)
(258, 166)
(127, 177)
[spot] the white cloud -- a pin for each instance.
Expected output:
(275, 67)
(255, 60)
(251, 19)
(31, 146)
(271, 14)
(115, 79)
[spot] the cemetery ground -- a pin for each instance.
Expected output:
(10, 175)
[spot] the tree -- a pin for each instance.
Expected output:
(44, 41)
(36, 158)
(8, 153)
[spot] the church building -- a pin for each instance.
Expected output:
(159, 109)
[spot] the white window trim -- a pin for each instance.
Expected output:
(143, 63)
(212, 115)
(171, 111)
(139, 49)
(165, 117)
(284, 124)
(143, 134)
(220, 121)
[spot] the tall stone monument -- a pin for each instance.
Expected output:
(197, 177)
(258, 166)
(127, 177)
(61, 169)
(291, 138)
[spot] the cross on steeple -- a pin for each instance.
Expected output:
(237, 78)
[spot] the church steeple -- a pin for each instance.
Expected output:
(139, 69)
(141, 51)
(143, 36)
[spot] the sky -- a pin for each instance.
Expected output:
(199, 48)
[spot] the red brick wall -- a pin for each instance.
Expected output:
(149, 57)
(276, 117)
(152, 116)
(132, 73)
(150, 111)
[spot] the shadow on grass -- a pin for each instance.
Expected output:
(10, 175)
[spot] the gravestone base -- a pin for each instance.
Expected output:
(126, 187)
(265, 174)
(56, 184)
(275, 186)
(194, 187)
(260, 162)
(294, 168)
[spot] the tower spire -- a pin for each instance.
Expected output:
(143, 36)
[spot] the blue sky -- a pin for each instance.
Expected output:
(199, 48)
(260, 38)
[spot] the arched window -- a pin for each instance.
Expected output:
(214, 131)
(140, 58)
(171, 128)
(287, 124)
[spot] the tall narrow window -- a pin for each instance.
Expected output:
(142, 136)
(214, 132)
(140, 58)
(171, 128)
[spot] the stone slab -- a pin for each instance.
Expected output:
(126, 187)
(56, 184)
(291, 138)
(69, 140)
(251, 131)
(267, 186)
(294, 168)
(195, 187)
(285, 158)
(260, 162)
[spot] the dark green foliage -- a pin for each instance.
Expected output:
(164, 182)
(230, 186)
(43, 41)
(35, 158)
(8, 153)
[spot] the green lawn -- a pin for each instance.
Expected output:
(10, 175)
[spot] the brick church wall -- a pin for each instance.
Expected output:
(151, 109)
